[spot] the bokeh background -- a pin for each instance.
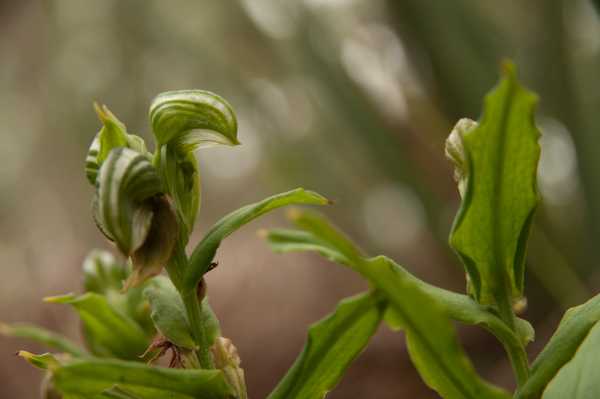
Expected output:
(351, 98)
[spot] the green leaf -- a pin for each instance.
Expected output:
(322, 237)
(137, 392)
(205, 251)
(564, 346)
(189, 119)
(117, 393)
(91, 377)
(107, 331)
(389, 278)
(496, 164)
(431, 339)
(42, 336)
(112, 135)
(333, 343)
(168, 312)
(578, 379)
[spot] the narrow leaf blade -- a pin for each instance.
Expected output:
(205, 251)
(333, 343)
(43, 336)
(91, 377)
(579, 377)
(415, 306)
(107, 331)
(564, 344)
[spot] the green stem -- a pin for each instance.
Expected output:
(176, 268)
(519, 362)
(194, 312)
(516, 353)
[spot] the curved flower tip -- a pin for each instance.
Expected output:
(190, 119)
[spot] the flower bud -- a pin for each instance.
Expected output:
(226, 359)
(131, 211)
(189, 119)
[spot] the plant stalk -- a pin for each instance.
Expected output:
(519, 362)
(175, 269)
(194, 312)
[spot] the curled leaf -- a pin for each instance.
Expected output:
(189, 119)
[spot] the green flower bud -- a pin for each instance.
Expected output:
(131, 211)
(113, 134)
(189, 119)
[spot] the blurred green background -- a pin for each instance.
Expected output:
(351, 98)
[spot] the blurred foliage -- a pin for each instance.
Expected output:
(352, 98)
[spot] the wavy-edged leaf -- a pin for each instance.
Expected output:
(168, 312)
(113, 134)
(446, 369)
(91, 377)
(189, 119)
(107, 331)
(205, 251)
(498, 158)
(333, 343)
(321, 236)
(43, 336)
(431, 338)
(563, 347)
